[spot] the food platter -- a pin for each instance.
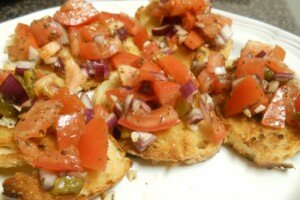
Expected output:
(226, 175)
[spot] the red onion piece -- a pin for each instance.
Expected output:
(261, 54)
(188, 89)
(122, 33)
(47, 179)
(195, 116)
(20, 70)
(145, 106)
(166, 30)
(98, 69)
(171, 20)
(86, 100)
(88, 114)
(118, 110)
(12, 90)
(128, 102)
(141, 140)
(136, 104)
(111, 120)
(284, 76)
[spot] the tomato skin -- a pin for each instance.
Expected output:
(59, 162)
(93, 144)
(166, 92)
(141, 37)
(45, 30)
(69, 129)
(277, 66)
(246, 93)
(275, 114)
(278, 52)
(297, 103)
(205, 80)
(70, 102)
(176, 69)
(125, 58)
(193, 40)
(251, 66)
(151, 122)
(24, 39)
(75, 12)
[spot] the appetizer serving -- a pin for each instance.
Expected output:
(162, 89)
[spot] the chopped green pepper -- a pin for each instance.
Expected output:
(182, 107)
(29, 79)
(7, 109)
(67, 185)
(269, 75)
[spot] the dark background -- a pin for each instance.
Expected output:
(275, 12)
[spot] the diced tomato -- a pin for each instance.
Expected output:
(141, 37)
(250, 66)
(221, 84)
(45, 30)
(278, 52)
(69, 129)
(178, 7)
(71, 103)
(151, 67)
(297, 103)
(129, 75)
(253, 48)
(150, 51)
(90, 51)
(277, 66)
(246, 93)
(121, 94)
(75, 12)
(88, 32)
(188, 21)
(215, 59)
(166, 92)
(218, 128)
(156, 10)
(275, 114)
(93, 144)
(174, 68)
(75, 40)
(160, 119)
(125, 58)
(56, 161)
(206, 80)
(129, 24)
(193, 40)
(24, 39)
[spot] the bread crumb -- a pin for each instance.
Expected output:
(131, 174)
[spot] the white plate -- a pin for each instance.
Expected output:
(227, 175)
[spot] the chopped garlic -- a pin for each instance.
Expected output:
(260, 108)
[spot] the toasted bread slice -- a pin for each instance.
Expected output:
(178, 144)
(266, 146)
(25, 187)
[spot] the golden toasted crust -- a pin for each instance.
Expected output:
(27, 187)
(267, 147)
(178, 145)
(9, 153)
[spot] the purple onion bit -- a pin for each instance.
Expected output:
(188, 89)
(261, 54)
(88, 114)
(166, 30)
(141, 140)
(171, 20)
(111, 120)
(59, 65)
(122, 33)
(282, 77)
(20, 70)
(12, 90)
(98, 69)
